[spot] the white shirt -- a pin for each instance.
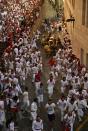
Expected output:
(86, 75)
(2, 116)
(11, 66)
(86, 85)
(0, 27)
(75, 85)
(25, 96)
(37, 125)
(70, 119)
(72, 107)
(15, 80)
(13, 103)
(11, 126)
(25, 40)
(82, 104)
(18, 64)
(63, 83)
(50, 108)
(34, 107)
(2, 104)
(84, 93)
(71, 92)
(28, 64)
(18, 89)
(62, 104)
(68, 77)
(51, 83)
(35, 70)
(16, 51)
(34, 44)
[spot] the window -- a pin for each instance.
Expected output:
(82, 56)
(83, 11)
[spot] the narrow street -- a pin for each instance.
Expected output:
(25, 123)
(43, 65)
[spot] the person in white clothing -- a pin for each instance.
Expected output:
(34, 71)
(51, 83)
(37, 124)
(71, 105)
(16, 50)
(69, 120)
(16, 90)
(11, 125)
(15, 80)
(26, 102)
(34, 109)
(64, 83)
(28, 68)
(85, 83)
(34, 43)
(50, 107)
(40, 94)
(81, 104)
(62, 106)
(86, 74)
(2, 113)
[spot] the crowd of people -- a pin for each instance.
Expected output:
(16, 17)
(20, 58)
(74, 82)
(73, 103)
(50, 39)
(23, 59)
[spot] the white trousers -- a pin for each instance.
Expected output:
(33, 78)
(34, 115)
(26, 102)
(62, 89)
(37, 84)
(80, 114)
(40, 98)
(62, 115)
(50, 90)
(71, 125)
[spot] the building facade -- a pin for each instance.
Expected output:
(78, 28)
